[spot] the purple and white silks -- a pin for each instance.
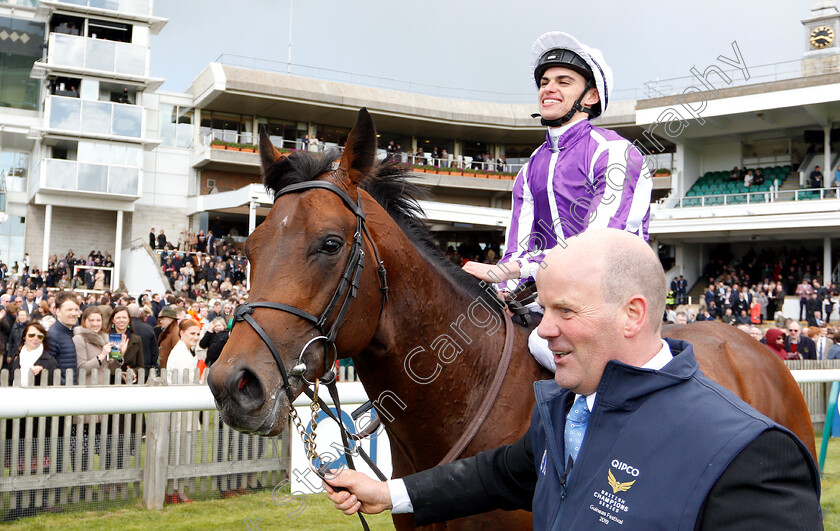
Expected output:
(593, 179)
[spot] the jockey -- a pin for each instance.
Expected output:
(581, 177)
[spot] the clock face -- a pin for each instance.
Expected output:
(821, 37)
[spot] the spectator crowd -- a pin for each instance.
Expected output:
(750, 292)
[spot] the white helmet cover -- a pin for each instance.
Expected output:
(593, 57)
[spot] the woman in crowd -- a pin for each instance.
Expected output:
(214, 339)
(227, 313)
(35, 364)
(16, 333)
(92, 347)
(182, 357)
(775, 339)
(131, 346)
(99, 280)
(42, 311)
(32, 358)
(93, 352)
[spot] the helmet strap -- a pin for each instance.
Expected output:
(557, 122)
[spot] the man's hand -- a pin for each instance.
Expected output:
(493, 273)
(363, 493)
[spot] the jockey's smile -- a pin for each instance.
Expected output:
(559, 88)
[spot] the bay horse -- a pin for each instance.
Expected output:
(426, 342)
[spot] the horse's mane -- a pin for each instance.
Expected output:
(388, 184)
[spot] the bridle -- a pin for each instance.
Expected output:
(347, 289)
(345, 292)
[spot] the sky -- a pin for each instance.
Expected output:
(481, 47)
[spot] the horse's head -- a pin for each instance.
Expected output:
(315, 292)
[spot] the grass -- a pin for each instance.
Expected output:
(314, 512)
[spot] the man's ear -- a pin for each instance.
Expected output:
(635, 313)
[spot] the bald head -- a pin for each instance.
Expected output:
(133, 309)
(624, 263)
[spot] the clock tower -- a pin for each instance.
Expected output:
(822, 49)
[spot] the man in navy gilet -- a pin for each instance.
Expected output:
(660, 447)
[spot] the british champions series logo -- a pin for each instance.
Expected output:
(616, 485)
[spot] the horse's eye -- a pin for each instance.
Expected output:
(330, 246)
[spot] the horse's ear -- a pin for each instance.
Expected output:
(268, 153)
(360, 150)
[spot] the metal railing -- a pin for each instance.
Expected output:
(101, 445)
(757, 74)
(425, 159)
(354, 78)
(750, 198)
(815, 393)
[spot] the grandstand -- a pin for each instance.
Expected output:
(716, 188)
(91, 160)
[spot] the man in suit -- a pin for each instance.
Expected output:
(664, 447)
(798, 343)
(211, 243)
(29, 304)
(147, 336)
(152, 238)
(823, 343)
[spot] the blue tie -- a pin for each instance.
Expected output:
(576, 427)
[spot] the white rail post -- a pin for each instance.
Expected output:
(157, 457)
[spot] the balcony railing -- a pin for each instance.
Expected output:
(15, 184)
(752, 198)
(97, 54)
(94, 117)
(135, 7)
(461, 162)
(85, 177)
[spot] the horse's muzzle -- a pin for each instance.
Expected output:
(242, 400)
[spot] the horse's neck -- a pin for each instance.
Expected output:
(431, 362)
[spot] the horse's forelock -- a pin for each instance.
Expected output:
(300, 166)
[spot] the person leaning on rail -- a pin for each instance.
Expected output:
(664, 447)
(582, 177)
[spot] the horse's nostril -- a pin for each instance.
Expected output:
(248, 390)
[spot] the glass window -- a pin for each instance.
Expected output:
(61, 174)
(101, 153)
(124, 181)
(96, 117)
(166, 127)
(67, 50)
(117, 154)
(85, 152)
(131, 59)
(140, 7)
(127, 120)
(133, 156)
(175, 126)
(13, 169)
(93, 178)
(11, 239)
(65, 113)
(104, 4)
(90, 89)
(100, 54)
(20, 47)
